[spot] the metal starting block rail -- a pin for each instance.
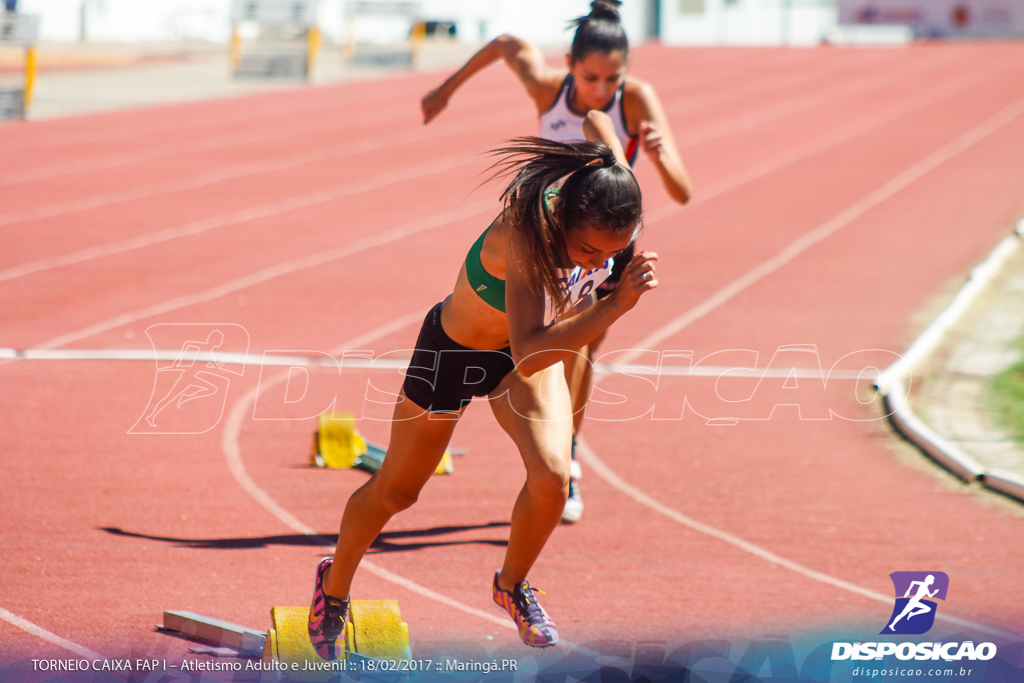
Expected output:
(374, 635)
(20, 30)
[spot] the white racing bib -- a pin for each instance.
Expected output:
(579, 284)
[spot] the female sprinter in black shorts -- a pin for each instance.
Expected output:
(594, 79)
(522, 304)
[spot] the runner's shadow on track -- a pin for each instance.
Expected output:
(384, 543)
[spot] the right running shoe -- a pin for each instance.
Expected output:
(327, 617)
(573, 510)
(535, 626)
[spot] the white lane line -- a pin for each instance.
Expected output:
(742, 122)
(243, 216)
(830, 227)
(233, 455)
(168, 150)
(50, 637)
(276, 271)
(391, 364)
(262, 114)
(790, 107)
(606, 473)
(348, 149)
(304, 127)
(764, 168)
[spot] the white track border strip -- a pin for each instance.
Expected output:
(50, 637)
(892, 381)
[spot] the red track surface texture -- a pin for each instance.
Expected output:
(837, 192)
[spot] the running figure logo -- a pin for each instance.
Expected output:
(914, 612)
(190, 389)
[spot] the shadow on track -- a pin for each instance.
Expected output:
(384, 543)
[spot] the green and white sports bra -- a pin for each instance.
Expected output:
(577, 282)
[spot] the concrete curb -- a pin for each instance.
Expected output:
(891, 382)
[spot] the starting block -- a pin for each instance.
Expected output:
(374, 630)
(337, 444)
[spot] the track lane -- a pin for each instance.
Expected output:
(707, 564)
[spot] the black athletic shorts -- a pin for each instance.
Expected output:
(622, 260)
(444, 376)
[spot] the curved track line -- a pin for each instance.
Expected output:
(279, 270)
(715, 301)
(233, 456)
(40, 632)
(642, 498)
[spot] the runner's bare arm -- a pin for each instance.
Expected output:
(523, 58)
(598, 127)
(658, 143)
(537, 345)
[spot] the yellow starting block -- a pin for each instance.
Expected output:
(374, 629)
(337, 444)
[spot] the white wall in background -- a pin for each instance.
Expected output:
(131, 20)
(746, 22)
(687, 22)
(541, 21)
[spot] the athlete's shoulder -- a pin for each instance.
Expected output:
(637, 91)
(639, 101)
(550, 88)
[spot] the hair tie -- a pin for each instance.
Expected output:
(608, 160)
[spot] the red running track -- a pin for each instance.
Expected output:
(839, 192)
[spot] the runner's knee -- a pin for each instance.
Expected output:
(549, 483)
(394, 499)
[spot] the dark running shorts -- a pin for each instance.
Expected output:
(622, 260)
(444, 376)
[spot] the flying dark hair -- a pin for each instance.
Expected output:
(600, 31)
(595, 190)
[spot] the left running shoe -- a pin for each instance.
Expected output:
(327, 617)
(535, 626)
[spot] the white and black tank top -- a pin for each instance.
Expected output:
(561, 124)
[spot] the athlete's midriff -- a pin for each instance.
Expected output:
(470, 321)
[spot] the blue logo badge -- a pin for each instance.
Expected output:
(914, 612)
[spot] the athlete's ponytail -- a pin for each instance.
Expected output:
(601, 30)
(595, 191)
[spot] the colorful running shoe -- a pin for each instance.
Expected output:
(535, 626)
(327, 617)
